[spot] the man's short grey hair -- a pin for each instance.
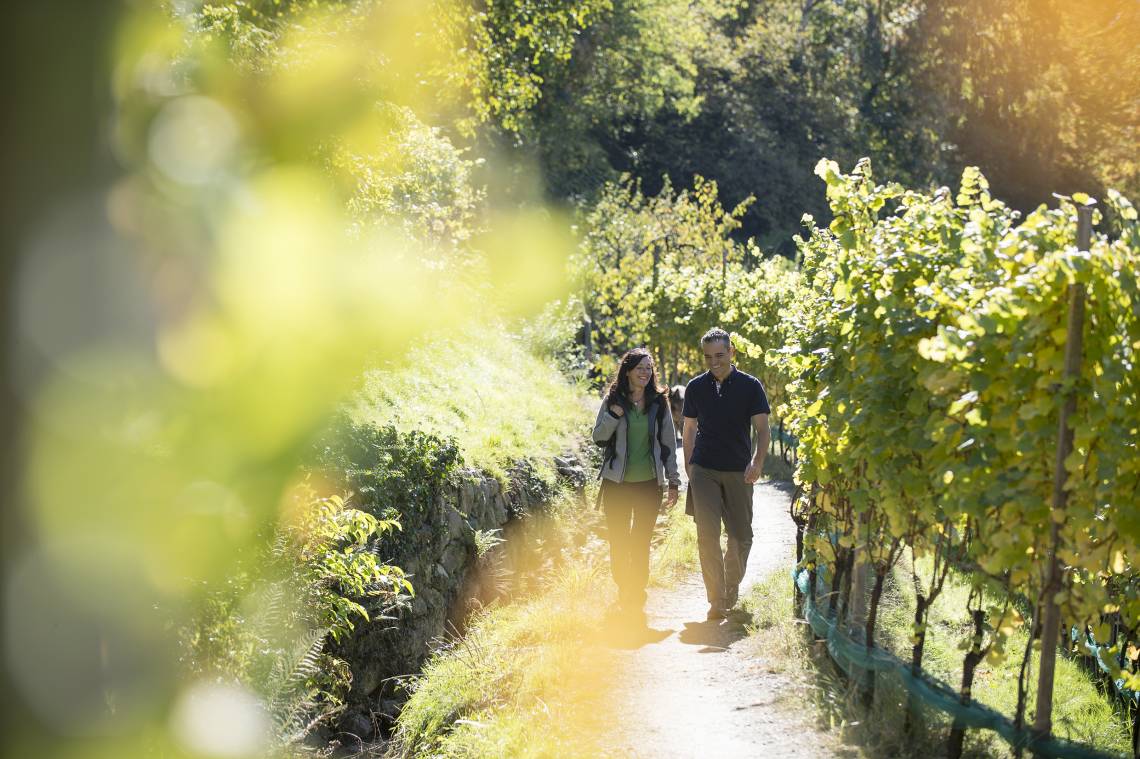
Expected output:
(716, 333)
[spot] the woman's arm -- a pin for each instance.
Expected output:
(606, 424)
(667, 434)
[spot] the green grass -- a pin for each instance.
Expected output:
(1081, 711)
(675, 552)
(486, 390)
(776, 469)
(527, 680)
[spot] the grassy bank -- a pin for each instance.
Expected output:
(1081, 710)
(485, 389)
(527, 680)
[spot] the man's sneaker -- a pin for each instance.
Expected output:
(715, 613)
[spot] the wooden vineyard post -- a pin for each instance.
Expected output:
(801, 522)
(857, 612)
(1051, 615)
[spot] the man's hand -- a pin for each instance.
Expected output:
(763, 438)
(671, 498)
(616, 410)
(688, 440)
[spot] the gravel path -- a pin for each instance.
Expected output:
(695, 689)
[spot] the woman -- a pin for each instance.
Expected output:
(636, 427)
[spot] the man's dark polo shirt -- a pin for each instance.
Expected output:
(724, 419)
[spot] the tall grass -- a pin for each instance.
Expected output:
(675, 552)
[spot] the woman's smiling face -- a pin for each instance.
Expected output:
(639, 375)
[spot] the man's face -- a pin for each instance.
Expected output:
(718, 356)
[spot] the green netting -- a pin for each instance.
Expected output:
(1101, 654)
(787, 437)
(856, 660)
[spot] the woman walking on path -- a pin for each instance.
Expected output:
(636, 427)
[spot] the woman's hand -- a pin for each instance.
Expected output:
(671, 498)
(616, 410)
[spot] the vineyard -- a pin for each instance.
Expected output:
(935, 344)
(961, 383)
(922, 355)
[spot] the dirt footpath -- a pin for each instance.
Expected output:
(694, 690)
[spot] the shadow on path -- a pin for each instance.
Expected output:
(629, 635)
(716, 636)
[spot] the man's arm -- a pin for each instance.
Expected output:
(689, 439)
(763, 439)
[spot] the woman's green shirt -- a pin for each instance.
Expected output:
(639, 465)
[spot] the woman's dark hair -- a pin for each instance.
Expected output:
(619, 388)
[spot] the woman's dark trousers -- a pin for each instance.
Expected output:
(631, 512)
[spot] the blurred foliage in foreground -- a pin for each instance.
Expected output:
(288, 214)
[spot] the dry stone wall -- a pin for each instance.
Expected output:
(383, 652)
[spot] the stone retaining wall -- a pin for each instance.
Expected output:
(384, 651)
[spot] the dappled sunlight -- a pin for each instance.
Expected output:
(219, 720)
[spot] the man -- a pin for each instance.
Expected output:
(720, 407)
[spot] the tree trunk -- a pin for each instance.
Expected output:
(1135, 732)
(919, 636)
(920, 610)
(1050, 613)
(797, 595)
(1022, 685)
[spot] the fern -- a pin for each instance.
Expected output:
(486, 540)
(293, 672)
(292, 697)
(269, 611)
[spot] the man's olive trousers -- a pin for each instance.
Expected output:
(721, 497)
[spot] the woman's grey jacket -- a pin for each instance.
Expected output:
(663, 442)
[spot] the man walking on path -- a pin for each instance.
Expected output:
(720, 407)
